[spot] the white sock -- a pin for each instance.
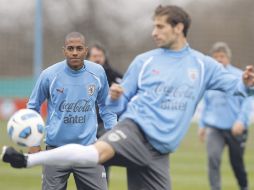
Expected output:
(67, 155)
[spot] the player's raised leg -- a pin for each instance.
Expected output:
(68, 155)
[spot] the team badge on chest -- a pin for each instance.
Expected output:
(193, 74)
(91, 89)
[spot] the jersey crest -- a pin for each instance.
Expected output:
(193, 74)
(91, 89)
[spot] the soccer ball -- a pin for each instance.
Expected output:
(26, 128)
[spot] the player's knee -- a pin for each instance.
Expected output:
(105, 150)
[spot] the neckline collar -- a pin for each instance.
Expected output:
(75, 72)
(177, 53)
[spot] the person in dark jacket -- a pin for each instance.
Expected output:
(98, 54)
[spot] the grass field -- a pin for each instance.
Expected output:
(188, 168)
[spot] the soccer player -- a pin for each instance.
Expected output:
(72, 88)
(225, 121)
(157, 98)
(97, 54)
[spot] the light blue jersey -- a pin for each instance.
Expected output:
(222, 111)
(162, 89)
(71, 97)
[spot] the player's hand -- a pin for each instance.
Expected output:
(34, 149)
(115, 91)
(202, 134)
(238, 128)
(248, 76)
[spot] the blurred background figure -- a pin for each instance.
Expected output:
(224, 122)
(97, 53)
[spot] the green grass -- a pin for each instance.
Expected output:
(188, 168)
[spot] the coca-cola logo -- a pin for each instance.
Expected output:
(182, 91)
(175, 98)
(78, 106)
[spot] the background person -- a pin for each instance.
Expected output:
(97, 54)
(225, 120)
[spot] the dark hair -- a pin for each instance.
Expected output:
(74, 35)
(174, 15)
(99, 47)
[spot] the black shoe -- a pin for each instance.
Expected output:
(15, 158)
